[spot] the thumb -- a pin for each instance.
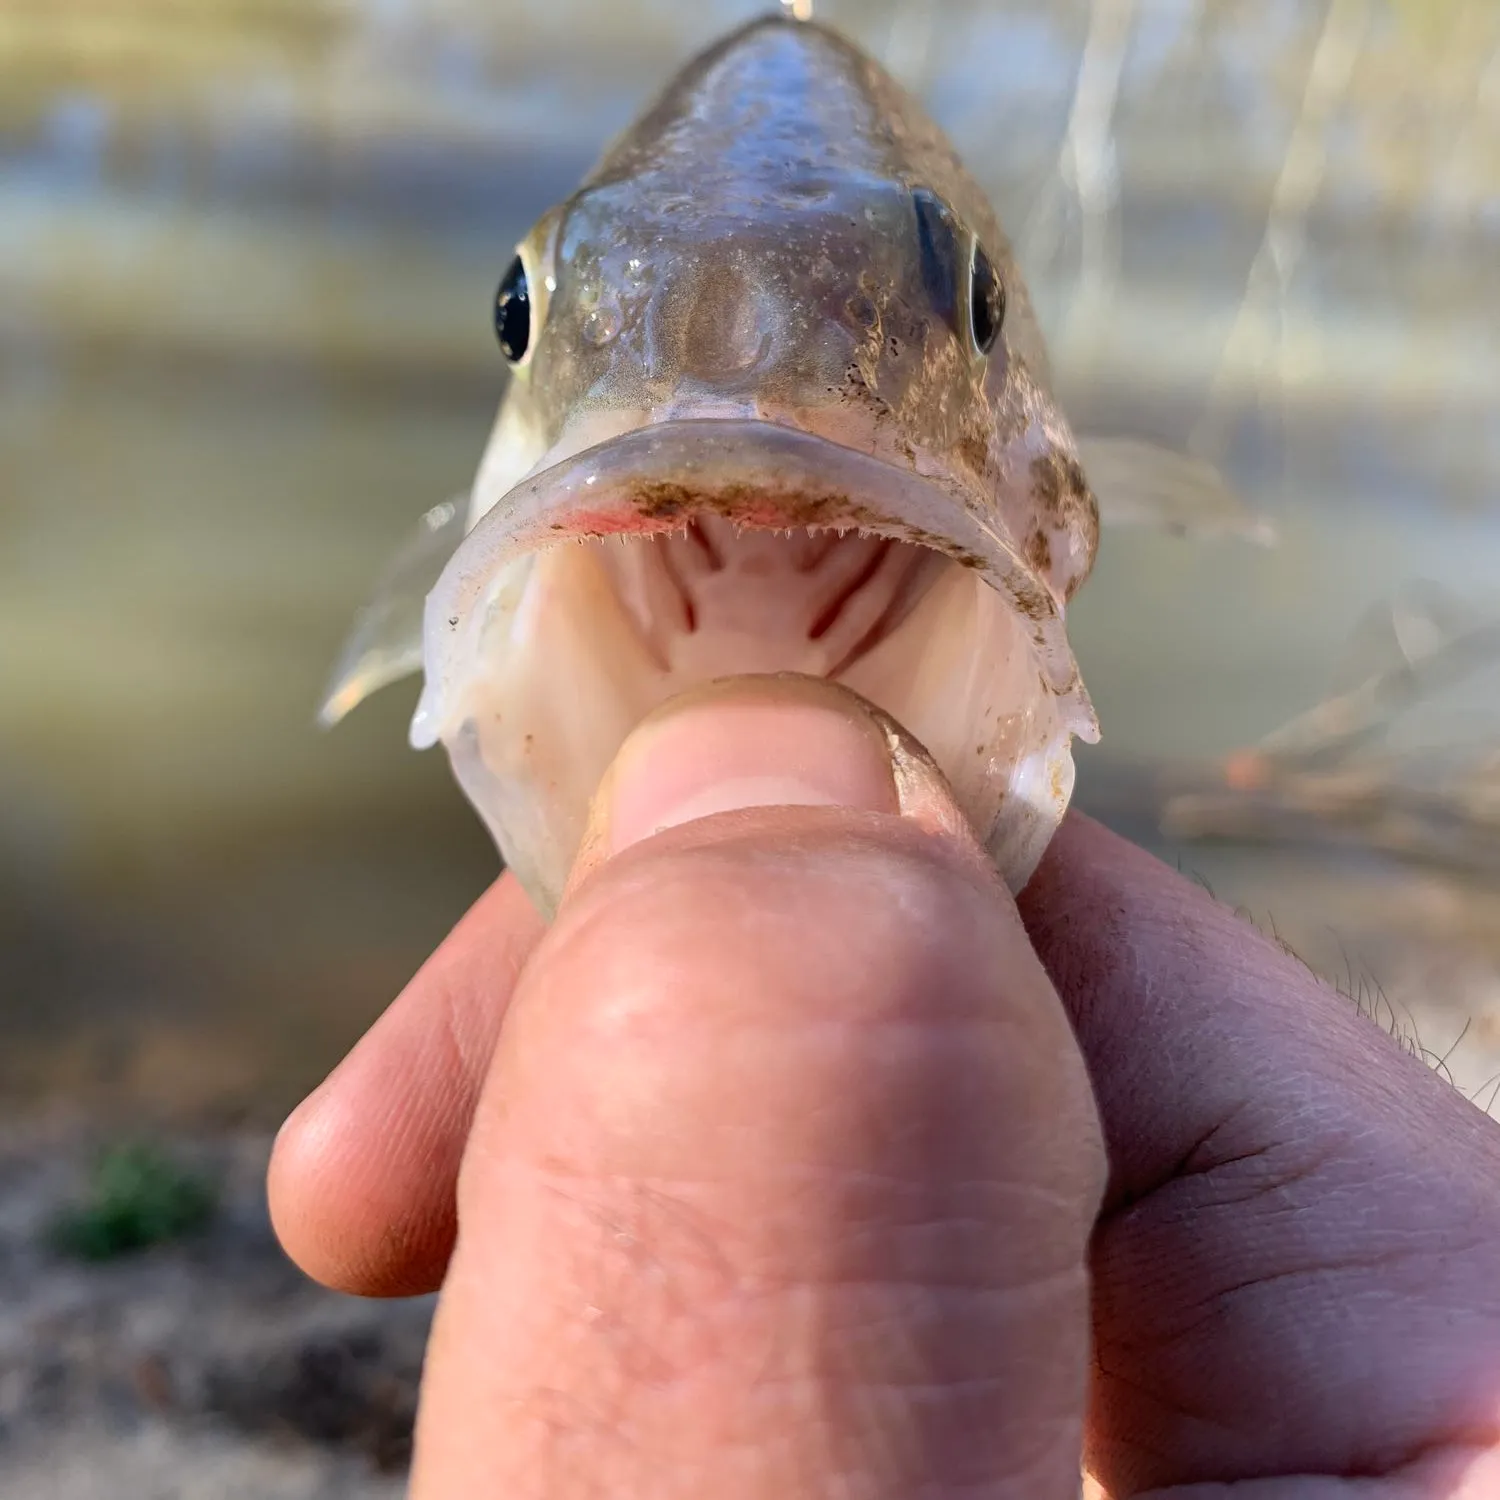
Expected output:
(782, 1178)
(764, 741)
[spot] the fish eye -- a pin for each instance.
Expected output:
(513, 313)
(986, 301)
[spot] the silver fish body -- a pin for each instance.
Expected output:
(779, 403)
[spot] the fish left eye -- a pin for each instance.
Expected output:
(986, 301)
(513, 313)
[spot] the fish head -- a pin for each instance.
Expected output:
(786, 237)
(778, 403)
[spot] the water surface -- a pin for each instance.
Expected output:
(246, 257)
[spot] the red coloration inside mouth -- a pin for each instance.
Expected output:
(607, 523)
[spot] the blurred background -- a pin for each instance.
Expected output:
(247, 255)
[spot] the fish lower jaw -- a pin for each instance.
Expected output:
(583, 639)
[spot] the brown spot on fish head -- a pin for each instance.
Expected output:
(1047, 484)
(973, 448)
(1033, 601)
(1080, 499)
(1065, 506)
(1089, 542)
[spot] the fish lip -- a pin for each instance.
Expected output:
(754, 472)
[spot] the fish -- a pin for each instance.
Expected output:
(778, 402)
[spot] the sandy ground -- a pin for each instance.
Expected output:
(208, 1370)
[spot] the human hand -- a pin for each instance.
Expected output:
(780, 1174)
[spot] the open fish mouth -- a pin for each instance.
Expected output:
(695, 549)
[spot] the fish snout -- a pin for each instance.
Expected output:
(726, 325)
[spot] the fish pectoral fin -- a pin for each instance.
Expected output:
(1141, 483)
(385, 644)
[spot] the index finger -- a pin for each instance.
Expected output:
(361, 1179)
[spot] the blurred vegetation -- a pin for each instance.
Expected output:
(138, 1196)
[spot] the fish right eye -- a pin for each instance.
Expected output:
(986, 301)
(513, 313)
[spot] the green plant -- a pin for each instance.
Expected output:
(138, 1196)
